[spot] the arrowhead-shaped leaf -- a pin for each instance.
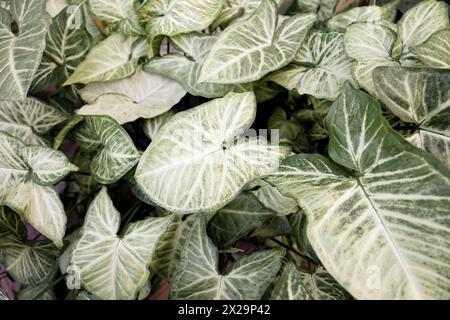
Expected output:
(186, 70)
(29, 120)
(383, 231)
(27, 174)
(201, 148)
(140, 96)
(109, 60)
(115, 153)
(21, 50)
(172, 17)
(199, 278)
(248, 50)
(320, 67)
(373, 14)
(112, 266)
(68, 44)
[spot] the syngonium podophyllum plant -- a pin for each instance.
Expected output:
(224, 149)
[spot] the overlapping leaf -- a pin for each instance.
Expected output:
(372, 14)
(199, 278)
(140, 96)
(112, 266)
(324, 9)
(109, 60)
(384, 44)
(118, 15)
(420, 96)
(248, 50)
(320, 67)
(237, 219)
(186, 70)
(296, 285)
(172, 17)
(29, 120)
(27, 175)
(68, 43)
(21, 50)
(383, 232)
(113, 150)
(198, 161)
(435, 52)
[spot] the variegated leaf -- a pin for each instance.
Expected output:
(198, 162)
(320, 67)
(272, 199)
(112, 266)
(172, 17)
(186, 70)
(237, 219)
(27, 174)
(248, 50)
(29, 120)
(54, 7)
(30, 264)
(319, 285)
(3, 295)
(370, 45)
(142, 95)
(420, 96)
(152, 126)
(167, 257)
(435, 52)
(199, 278)
(382, 232)
(324, 9)
(67, 45)
(21, 50)
(372, 14)
(421, 21)
(109, 60)
(115, 153)
(118, 15)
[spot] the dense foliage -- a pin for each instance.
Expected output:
(224, 149)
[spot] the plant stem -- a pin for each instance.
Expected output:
(51, 285)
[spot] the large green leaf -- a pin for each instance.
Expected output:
(248, 50)
(186, 70)
(29, 120)
(109, 60)
(54, 7)
(320, 67)
(68, 44)
(199, 278)
(435, 52)
(382, 232)
(172, 17)
(296, 285)
(112, 266)
(115, 153)
(118, 14)
(27, 174)
(140, 96)
(197, 161)
(237, 219)
(21, 50)
(373, 14)
(420, 96)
